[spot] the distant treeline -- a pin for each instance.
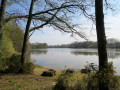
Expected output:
(111, 43)
(39, 45)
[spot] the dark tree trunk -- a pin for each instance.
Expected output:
(101, 38)
(2, 14)
(24, 48)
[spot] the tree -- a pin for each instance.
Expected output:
(101, 38)
(14, 34)
(112, 40)
(44, 13)
(39, 45)
(2, 15)
(48, 15)
(12, 39)
(26, 36)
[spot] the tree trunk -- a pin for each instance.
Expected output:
(2, 14)
(101, 38)
(26, 37)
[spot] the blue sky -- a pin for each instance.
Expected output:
(54, 37)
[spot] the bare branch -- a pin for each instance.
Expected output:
(46, 11)
(73, 31)
(49, 17)
(47, 22)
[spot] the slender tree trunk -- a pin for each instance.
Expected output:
(26, 35)
(101, 38)
(2, 14)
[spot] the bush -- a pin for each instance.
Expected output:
(106, 76)
(13, 65)
(63, 82)
(72, 71)
(67, 80)
(90, 80)
(10, 65)
(28, 68)
(0, 61)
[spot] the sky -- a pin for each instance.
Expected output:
(54, 37)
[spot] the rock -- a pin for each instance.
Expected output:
(49, 73)
(70, 71)
(85, 71)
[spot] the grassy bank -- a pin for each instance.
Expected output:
(28, 82)
(33, 82)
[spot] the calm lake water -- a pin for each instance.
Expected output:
(63, 58)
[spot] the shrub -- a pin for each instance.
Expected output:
(14, 63)
(85, 71)
(90, 80)
(106, 76)
(63, 82)
(66, 81)
(28, 68)
(72, 71)
(10, 65)
(0, 61)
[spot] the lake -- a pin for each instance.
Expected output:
(63, 58)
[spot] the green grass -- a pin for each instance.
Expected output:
(28, 82)
(32, 82)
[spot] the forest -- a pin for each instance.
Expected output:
(111, 43)
(19, 19)
(38, 45)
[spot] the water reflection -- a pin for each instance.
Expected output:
(58, 58)
(111, 54)
(83, 53)
(39, 51)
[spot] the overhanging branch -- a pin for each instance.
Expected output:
(47, 22)
(43, 12)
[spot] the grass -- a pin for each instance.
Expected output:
(25, 82)
(28, 82)
(32, 82)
